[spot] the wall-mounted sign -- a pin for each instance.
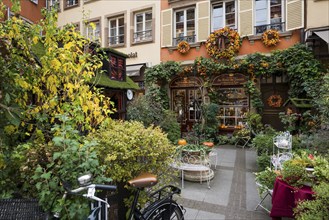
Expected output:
(132, 55)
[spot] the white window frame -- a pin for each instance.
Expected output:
(75, 2)
(268, 17)
(223, 3)
(144, 36)
(185, 21)
(117, 27)
(95, 33)
(34, 1)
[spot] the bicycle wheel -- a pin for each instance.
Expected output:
(168, 210)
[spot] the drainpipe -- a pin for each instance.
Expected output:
(305, 24)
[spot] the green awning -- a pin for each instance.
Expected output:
(102, 79)
(299, 103)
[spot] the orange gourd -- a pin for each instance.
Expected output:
(182, 142)
(208, 144)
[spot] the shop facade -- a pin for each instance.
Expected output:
(188, 95)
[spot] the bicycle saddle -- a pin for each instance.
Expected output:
(143, 180)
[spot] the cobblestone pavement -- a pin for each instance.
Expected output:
(233, 193)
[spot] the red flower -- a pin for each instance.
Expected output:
(311, 156)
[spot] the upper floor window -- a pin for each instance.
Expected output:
(70, 3)
(143, 26)
(117, 68)
(93, 31)
(116, 31)
(268, 15)
(53, 4)
(224, 14)
(184, 25)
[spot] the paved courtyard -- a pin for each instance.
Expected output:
(233, 193)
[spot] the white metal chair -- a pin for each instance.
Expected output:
(267, 192)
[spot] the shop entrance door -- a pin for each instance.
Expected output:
(270, 86)
(187, 106)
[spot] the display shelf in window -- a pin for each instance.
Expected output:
(233, 108)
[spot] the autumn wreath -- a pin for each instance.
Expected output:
(183, 47)
(270, 38)
(274, 101)
(223, 43)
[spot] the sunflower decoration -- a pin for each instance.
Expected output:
(223, 43)
(274, 101)
(183, 47)
(270, 38)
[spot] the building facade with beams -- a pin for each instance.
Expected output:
(131, 27)
(30, 10)
(122, 27)
(194, 21)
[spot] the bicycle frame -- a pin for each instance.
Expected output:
(160, 200)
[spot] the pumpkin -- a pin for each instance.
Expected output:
(208, 144)
(182, 142)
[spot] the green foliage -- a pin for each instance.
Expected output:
(129, 149)
(170, 125)
(208, 128)
(323, 101)
(254, 122)
(303, 69)
(266, 178)
(315, 142)
(263, 161)
(306, 122)
(162, 72)
(65, 158)
(315, 209)
(255, 95)
(263, 142)
(149, 111)
(196, 147)
(56, 82)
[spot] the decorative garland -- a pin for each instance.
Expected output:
(183, 47)
(274, 101)
(223, 43)
(270, 38)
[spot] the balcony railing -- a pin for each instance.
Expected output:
(142, 35)
(190, 39)
(275, 26)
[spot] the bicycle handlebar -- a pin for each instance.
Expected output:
(95, 186)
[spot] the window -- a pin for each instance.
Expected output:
(53, 4)
(93, 31)
(143, 26)
(117, 68)
(184, 25)
(116, 31)
(268, 15)
(70, 3)
(223, 14)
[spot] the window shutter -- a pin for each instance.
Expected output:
(166, 28)
(203, 21)
(294, 14)
(245, 17)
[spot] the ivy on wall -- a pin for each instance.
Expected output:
(304, 71)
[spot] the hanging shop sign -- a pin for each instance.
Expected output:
(230, 79)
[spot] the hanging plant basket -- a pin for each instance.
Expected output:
(271, 38)
(274, 101)
(223, 43)
(183, 47)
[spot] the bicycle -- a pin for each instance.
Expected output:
(163, 208)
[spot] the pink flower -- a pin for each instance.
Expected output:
(311, 156)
